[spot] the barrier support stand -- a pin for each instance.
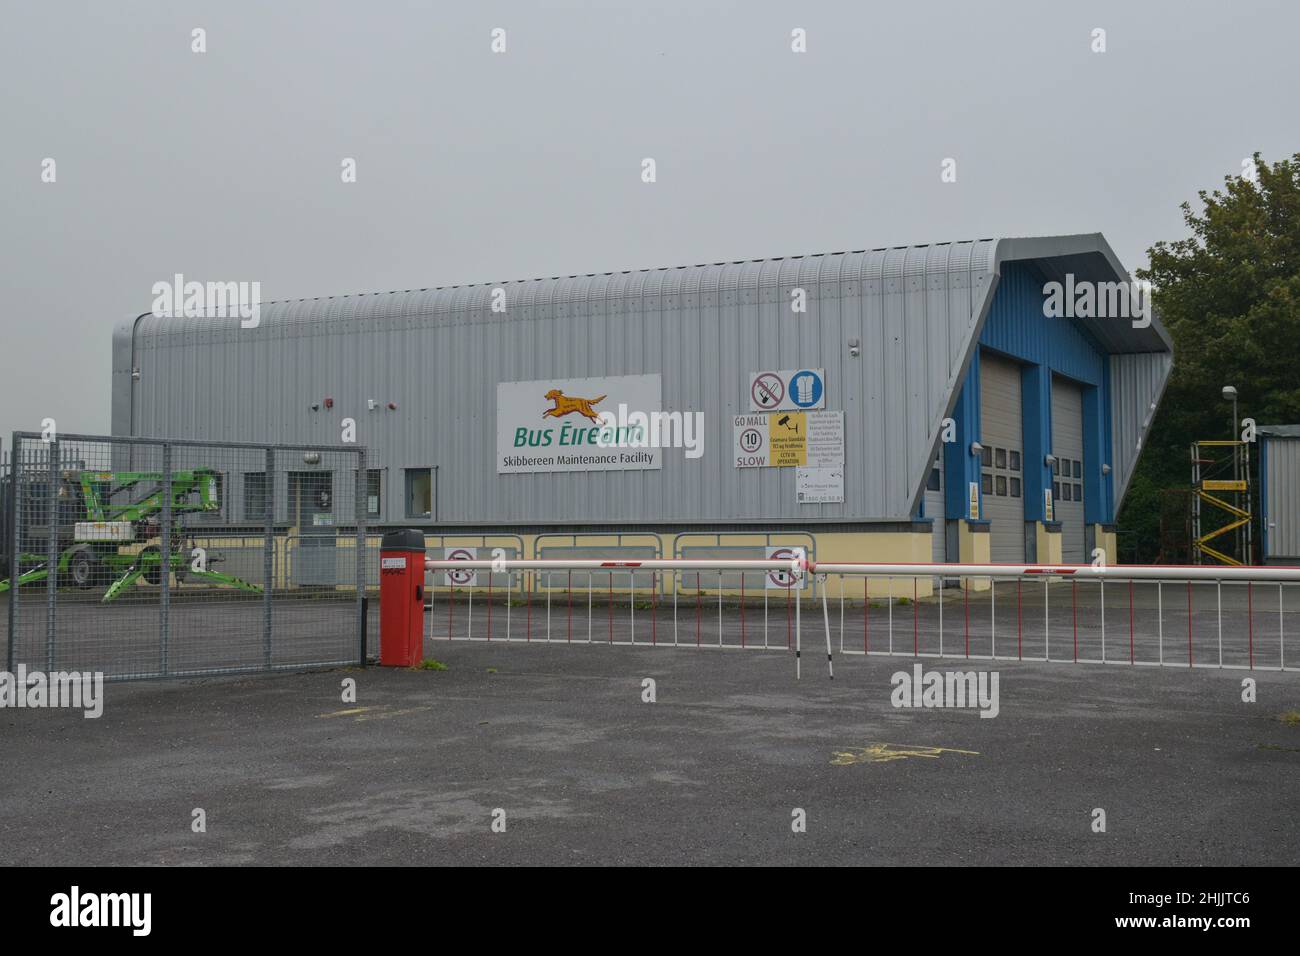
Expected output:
(826, 618)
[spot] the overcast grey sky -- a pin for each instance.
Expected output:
(474, 166)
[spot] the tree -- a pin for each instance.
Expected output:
(1229, 294)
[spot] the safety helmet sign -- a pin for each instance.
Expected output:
(787, 390)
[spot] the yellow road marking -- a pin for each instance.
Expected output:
(385, 714)
(382, 712)
(883, 753)
(347, 713)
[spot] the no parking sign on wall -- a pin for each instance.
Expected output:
(467, 578)
(787, 579)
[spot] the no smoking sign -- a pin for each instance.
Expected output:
(767, 391)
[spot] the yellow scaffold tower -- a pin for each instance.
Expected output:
(1221, 481)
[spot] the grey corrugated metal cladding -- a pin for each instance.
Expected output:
(439, 354)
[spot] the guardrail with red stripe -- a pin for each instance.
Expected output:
(1140, 615)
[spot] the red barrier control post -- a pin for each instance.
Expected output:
(401, 598)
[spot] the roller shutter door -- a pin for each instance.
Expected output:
(1067, 474)
(1002, 465)
(934, 508)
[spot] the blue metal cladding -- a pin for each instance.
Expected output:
(1017, 328)
(960, 467)
(1096, 492)
(1036, 407)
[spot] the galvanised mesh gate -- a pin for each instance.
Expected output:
(143, 558)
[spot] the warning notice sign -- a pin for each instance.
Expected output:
(789, 440)
(825, 439)
(819, 486)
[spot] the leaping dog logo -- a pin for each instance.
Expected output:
(567, 405)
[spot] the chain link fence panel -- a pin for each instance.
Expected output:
(145, 558)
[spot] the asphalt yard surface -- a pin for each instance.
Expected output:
(558, 743)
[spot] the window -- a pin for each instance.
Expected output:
(1078, 468)
(310, 498)
(1078, 492)
(1001, 485)
(1015, 487)
(986, 484)
(986, 457)
(1000, 457)
(1015, 460)
(1056, 490)
(1066, 493)
(255, 496)
(373, 487)
(419, 492)
(933, 483)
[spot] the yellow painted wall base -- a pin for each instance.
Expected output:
(1049, 545)
(894, 547)
(973, 548)
(1107, 541)
(887, 547)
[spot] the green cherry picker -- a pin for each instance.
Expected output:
(95, 526)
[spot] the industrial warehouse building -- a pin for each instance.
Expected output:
(899, 404)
